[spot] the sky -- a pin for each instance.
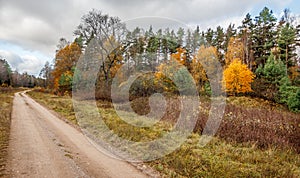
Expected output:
(31, 29)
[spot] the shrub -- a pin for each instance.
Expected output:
(294, 101)
(289, 95)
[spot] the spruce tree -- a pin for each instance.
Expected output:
(264, 36)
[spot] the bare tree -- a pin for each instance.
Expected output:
(108, 32)
(61, 44)
(46, 74)
(5, 72)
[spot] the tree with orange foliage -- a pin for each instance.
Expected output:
(65, 61)
(235, 50)
(198, 74)
(237, 78)
(182, 57)
(175, 71)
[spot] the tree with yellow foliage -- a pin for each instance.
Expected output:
(204, 65)
(237, 78)
(166, 72)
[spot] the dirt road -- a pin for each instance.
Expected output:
(42, 145)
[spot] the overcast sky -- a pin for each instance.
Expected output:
(30, 29)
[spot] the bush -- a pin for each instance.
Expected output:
(289, 95)
(294, 101)
(256, 121)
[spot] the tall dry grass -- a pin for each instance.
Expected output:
(6, 100)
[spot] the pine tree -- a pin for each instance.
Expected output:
(246, 35)
(209, 36)
(219, 42)
(151, 57)
(230, 32)
(180, 36)
(264, 36)
(197, 40)
(269, 78)
(189, 41)
(287, 36)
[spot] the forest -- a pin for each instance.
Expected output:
(260, 58)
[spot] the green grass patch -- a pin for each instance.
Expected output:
(62, 105)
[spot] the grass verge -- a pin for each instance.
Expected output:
(60, 104)
(6, 100)
(220, 158)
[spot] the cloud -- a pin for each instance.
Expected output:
(36, 26)
(192, 11)
(32, 26)
(13, 59)
(25, 63)
(30, 64)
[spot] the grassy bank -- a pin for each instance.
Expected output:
(6, 100)
(60, 104)
(228, 155)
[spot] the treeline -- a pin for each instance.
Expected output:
(15, 79)
(259, 57)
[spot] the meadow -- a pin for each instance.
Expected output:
(256, 138)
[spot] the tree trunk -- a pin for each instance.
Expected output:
(286, 59)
